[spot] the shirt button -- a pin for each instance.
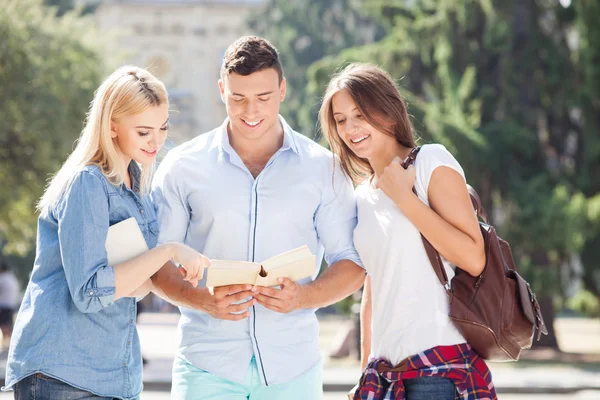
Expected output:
(131, 321)
(124, 364)
(142, 210)
(91, 293)
(128, 342)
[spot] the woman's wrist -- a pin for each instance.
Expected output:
(170, 249)
(405, 200)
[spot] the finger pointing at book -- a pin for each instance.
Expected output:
(193, 263)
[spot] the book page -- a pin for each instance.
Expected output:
(226, 264)
(286, 258)
(223, 273)
(295, 264)
(294, 270)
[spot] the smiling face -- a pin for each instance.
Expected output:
(252, 103)
(140, 136)
(362, 138)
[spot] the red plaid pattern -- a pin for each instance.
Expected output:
(470, 374)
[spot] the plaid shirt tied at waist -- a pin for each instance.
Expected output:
(468, 372)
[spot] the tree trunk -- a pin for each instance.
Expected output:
(546, 341)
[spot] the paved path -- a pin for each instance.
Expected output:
(342, 396)
(158, 332)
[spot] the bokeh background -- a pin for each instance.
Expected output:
(510, 87)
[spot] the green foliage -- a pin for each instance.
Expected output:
(64, 6)
(305, 31)
(501, 84)
(344, 307)
(587, 57)
(49, 68)
(21, 265)
(585, 303)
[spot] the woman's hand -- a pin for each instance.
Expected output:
(192, 262)
(396, 182)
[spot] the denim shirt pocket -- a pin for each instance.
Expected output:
(119, 209)
(153, 227)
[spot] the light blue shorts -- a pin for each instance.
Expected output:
(191, 383)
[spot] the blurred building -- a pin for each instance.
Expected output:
(182, 42)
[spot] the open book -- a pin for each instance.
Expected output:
(295, 264)
(124, 242)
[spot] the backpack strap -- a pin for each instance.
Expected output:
(433, 255)
(476, 201)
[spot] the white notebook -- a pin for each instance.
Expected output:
(124, 241)
(294, 264)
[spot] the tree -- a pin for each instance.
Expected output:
(49, 69)
(496, 83)
(588, 60)
(64, 6)
(305, 31)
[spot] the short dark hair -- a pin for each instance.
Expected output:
(250, 54)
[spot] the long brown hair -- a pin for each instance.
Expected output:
(379, 101)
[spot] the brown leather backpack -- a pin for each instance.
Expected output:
(496, 312)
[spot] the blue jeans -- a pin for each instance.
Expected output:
(430, 388)
(42, 387)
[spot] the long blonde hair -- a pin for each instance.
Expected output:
(128, 91)
(377, 97)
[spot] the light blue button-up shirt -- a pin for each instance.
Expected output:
(207, 198)
(69, 327)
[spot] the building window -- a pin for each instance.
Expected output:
(199, 31)
(222, 30)
(158, 29)
(139, 29)
(178, 30)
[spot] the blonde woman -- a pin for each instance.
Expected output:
(75, 334)
(415, 351)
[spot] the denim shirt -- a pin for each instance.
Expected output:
(69, 326)
(207, 198)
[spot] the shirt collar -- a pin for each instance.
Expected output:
(221, 138)
(135, 173)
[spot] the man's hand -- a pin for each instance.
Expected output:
(284, 300)
(219, 303)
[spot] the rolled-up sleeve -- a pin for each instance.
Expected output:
(83, 221)
(335, 218)
(171, 208)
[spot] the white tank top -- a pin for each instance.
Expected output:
(410, 306)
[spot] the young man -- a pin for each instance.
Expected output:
(248, 190)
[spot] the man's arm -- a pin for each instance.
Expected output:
(335, 221)
(167, 283)
(173, 214)
(335, 283)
